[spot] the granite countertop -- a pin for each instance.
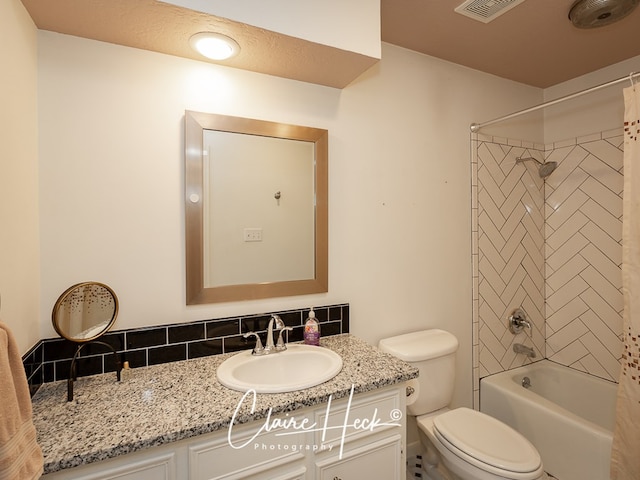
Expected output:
(169, 402)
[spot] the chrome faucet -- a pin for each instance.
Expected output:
(258, 349)
(277, 323)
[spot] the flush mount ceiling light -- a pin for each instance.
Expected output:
(214, 45)
(598, 13)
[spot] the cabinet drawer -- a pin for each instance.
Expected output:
(160, 467)
(382, 459)
(216, 459)
(288, 472)
(385, 407)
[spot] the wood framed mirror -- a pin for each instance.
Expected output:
(256, 209)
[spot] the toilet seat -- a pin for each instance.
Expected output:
(487, 443)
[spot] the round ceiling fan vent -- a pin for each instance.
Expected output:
(598, 13)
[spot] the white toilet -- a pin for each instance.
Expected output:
(461, 444)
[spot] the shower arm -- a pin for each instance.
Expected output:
(544, 168)
(524, 159)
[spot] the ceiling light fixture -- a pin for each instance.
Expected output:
(214, 45)
(598, 13)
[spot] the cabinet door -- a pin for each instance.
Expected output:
(381, 459)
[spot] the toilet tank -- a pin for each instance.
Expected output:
(433, 353)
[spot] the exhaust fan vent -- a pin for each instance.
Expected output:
(486, 10)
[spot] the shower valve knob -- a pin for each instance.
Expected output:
(518, 321)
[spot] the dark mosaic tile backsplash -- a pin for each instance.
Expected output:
(50, 359)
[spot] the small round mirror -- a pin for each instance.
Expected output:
(85, 311)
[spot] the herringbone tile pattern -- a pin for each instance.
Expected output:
(583, 231)
(510, 242)
(559, 258)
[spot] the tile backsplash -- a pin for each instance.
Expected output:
(50, 359)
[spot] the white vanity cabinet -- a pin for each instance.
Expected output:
(158, 463)
(380, 459)
(372, 444)
(346, 439)
(265, 456)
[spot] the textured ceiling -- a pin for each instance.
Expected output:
(161, 27)
(533, 43)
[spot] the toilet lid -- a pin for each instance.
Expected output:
(477, 436)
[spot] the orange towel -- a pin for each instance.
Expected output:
(20, 455)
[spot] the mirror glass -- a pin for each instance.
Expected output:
(85, 311)
(256, 209)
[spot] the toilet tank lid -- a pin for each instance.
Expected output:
(421, 345)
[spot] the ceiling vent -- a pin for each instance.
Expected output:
(486, 10)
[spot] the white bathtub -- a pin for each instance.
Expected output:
(568, 415)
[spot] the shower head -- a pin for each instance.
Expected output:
(598, 13)
(547, 169)
(544, 170)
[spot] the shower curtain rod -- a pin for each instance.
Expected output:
(475, 127)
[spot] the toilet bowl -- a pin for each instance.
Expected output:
(461, 443)
(475, 446)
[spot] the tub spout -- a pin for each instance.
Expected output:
(528, 351)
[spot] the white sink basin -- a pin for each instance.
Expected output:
(296, 368)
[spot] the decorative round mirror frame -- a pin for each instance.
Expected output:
(68, 292)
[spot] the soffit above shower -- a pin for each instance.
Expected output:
(532, 43)
(164, 28)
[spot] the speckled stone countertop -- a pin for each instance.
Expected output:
(169, 402)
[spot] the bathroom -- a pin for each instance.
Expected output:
(105, 203)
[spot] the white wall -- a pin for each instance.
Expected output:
(19, 238)
(591, 113)
(111, 143)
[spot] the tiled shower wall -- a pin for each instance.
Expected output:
(552, 247)
(508, 231)
(583, 202)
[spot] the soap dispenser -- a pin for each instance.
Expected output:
(312, 330)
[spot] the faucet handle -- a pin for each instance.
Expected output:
(518, 321)
(258, 349)
(280, 345)
(279, 324)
